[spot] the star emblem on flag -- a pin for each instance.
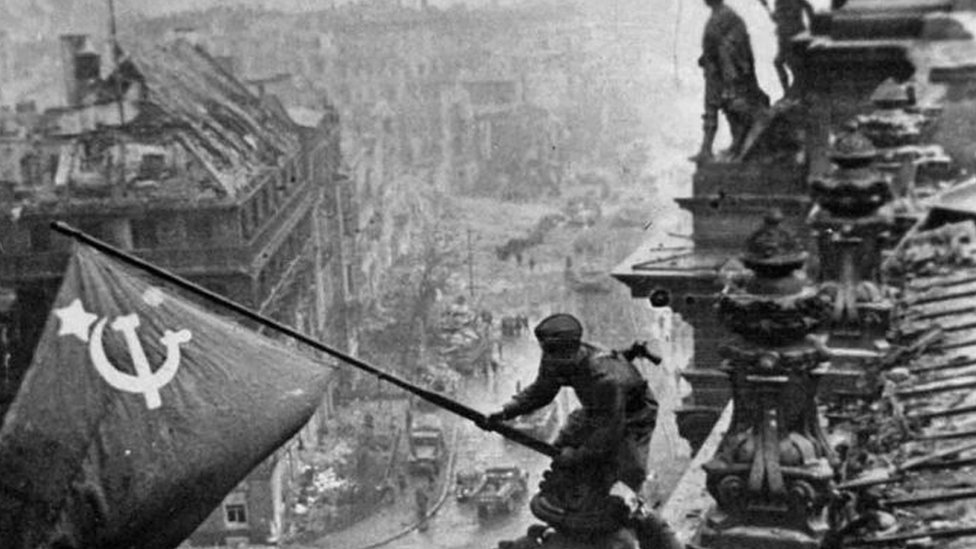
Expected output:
(75, 320)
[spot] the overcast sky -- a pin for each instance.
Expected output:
(673, 34)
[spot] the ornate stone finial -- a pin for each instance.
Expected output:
(852, 149)
(577, 498)
(892, 95)
(856, 188)
(773, 251)
(896, 120)
(771, 474)
(776, 306)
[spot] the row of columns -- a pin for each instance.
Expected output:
(774, 471)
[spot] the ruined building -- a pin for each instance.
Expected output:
(170, 157)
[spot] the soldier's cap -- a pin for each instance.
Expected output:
(559, 327)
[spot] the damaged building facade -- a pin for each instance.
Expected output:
(484, 101)
(172, 158)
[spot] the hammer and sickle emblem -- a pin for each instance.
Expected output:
(144, 381)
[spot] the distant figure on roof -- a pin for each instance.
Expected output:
(730, 80)
(788, 16)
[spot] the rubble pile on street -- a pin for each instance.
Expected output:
(345, 481)
(463, 339)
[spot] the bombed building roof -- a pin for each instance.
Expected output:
(186, 96)
(217, 118)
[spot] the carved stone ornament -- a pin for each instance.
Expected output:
(861, 305)
(772, 473)
(894, 128)
(855, 188)
(852, 150)
(576, 498)
(893, 95)
(852, 192)
(773, 251)
(896, 121)
(775, 320)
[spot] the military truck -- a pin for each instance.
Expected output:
(427, 446)
(501, 491)
(466, 485)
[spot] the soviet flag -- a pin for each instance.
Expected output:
(140, 411)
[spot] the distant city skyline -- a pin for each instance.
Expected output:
(673, 29)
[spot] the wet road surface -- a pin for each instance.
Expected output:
(456, 525)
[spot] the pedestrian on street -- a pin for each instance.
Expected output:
(401, 481)
(531, 264)
(421, 499)
(387, 493)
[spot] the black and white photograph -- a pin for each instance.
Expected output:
(487, 274)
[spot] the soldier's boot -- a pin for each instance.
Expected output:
(708, 140)
(739, 125)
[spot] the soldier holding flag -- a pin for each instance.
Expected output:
(141, 410)
(618, 410)
(615, 422)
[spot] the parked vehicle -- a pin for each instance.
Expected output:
(501, 491)
(467, 484)
(427, 446)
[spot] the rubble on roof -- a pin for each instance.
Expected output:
(907, 479)
(947, 247)
(189, 129)
(215, 117)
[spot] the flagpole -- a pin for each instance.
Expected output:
(434, 398)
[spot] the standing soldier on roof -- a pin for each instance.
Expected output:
(788, 17)
(730, 80)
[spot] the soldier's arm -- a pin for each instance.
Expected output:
(540, 392)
